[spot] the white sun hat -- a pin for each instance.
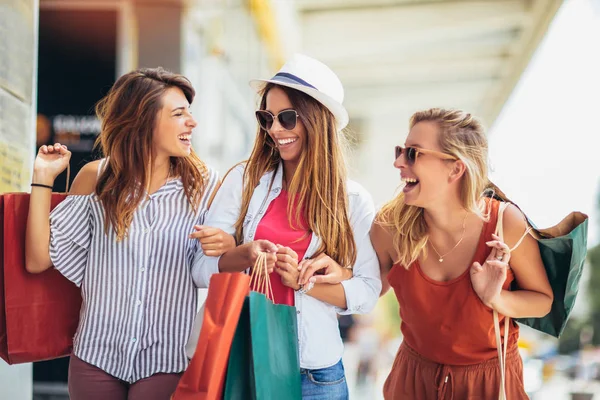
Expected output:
(314, 78)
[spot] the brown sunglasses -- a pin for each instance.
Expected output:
(287, 119)
(412, 153)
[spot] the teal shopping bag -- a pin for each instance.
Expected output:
(275, 359)
(238, 378)
(264, 361)
(563, 248)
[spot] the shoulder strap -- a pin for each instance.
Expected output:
(68, 178)
(501, 349)
(102, 166)
(501, 352)
(500, 217)
(219, 183)
(500, 227)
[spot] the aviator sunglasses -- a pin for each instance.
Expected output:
(412, 153)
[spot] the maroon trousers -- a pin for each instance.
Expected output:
(87, 382)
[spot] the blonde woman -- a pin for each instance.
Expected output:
(437, 249)
(293, 200)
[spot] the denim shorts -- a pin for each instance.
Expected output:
(324, 384)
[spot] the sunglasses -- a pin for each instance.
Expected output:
(412, 153)
(287, 119)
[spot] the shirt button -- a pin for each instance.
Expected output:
(298, 312)
(133, 340)
(146, 230)
(142, 269)
(138, 303)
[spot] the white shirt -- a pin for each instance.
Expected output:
(318, 331)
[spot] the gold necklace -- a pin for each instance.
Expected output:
(441, 257)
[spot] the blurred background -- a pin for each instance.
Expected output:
(530, 69)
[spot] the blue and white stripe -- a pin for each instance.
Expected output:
(139, 300)
(286, 77)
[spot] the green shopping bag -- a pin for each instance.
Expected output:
(264, 361)
(239, 369)
(563, 248)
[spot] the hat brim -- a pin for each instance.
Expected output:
(338, 110)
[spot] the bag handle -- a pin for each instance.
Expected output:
(219, 183)
(259, 276)
(501, 352)
(502, 349)
(68, 178)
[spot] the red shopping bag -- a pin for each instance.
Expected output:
(204, 378)
(39, 313)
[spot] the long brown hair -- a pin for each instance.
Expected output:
(319, 183)
(128, 115)
(462, 136)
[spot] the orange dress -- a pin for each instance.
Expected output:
(449, 347)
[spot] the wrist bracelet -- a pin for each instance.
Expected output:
(41, 185)
(306, 288)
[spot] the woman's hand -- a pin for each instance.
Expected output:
(214, 241)
(329, 271)
(287, 267)
(488, 279)
(49, 163)
(252, 250)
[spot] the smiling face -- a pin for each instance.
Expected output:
(174, 124)
(290, 143)
(429, 177)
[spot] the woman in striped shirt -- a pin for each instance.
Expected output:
(123, 237)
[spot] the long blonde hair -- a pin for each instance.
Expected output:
(462, 136)
(318, 186)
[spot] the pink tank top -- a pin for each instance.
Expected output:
(275, 227)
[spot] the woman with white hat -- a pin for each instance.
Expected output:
(292, 200)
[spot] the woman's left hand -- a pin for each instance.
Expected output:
(287, 266)
(214, 241)
(488, 279)
(330, 271)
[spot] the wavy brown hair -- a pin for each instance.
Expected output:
(128, 115)
(319, 183)
(462, 136)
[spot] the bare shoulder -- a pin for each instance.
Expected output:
(514, 224)
(381, 238)
(379, 232)
(85, 181)
(382, 241)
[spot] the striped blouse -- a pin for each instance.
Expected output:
(139, 300)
